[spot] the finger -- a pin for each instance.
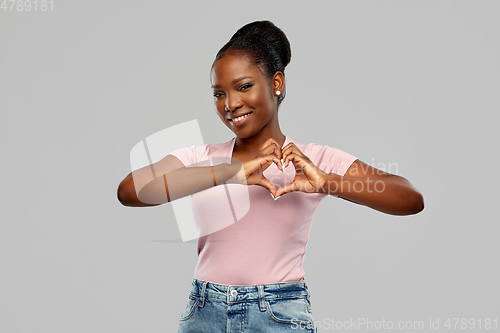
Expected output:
(277, 150)
(273, 148)
(272, 141)
(269, 142)
(290, 157)
(286, 153)
(280, 159)
(291, 148)
(263, 160)
(274, 151)
(279, 164)
(251, 166)
(274, 159)
(298, 160)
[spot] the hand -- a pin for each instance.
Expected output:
(308, 177)
(250, 169)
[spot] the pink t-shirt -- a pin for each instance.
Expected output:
(266, 239)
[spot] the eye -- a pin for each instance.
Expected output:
(245, 86)
(216, 95)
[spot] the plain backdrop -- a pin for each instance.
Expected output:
(407, 83)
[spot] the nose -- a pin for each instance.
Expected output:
(233, 102)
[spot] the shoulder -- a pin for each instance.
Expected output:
(315, 150)
(197, 154)
(217, 150)
(327, 158)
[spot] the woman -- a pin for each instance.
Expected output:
(249, 276)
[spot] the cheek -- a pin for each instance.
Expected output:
(258, 99)
(219, 105)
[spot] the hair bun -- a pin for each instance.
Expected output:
(267, 30)
(265, 45)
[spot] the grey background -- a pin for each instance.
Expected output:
(412, 83)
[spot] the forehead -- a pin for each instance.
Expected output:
(230, 67)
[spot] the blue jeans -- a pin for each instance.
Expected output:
(220, 308)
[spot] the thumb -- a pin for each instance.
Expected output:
(264, 182)
(285, 189)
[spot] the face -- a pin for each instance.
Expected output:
(240, 88)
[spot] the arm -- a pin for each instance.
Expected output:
(141, 189)
(374, 188)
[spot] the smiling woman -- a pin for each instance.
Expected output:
(248, 79)
(249, 275)
(240, 91)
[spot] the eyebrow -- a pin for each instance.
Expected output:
(234, 81)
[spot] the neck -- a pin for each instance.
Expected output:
(253, 143)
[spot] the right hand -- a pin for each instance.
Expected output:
(249, 171)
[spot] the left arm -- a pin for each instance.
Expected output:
(374, 188)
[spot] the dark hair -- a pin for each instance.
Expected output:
(266, 44)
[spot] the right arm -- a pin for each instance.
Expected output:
(140, 189)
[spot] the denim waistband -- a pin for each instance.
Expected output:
(258, 292)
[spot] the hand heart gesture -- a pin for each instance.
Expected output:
(308, 177)
(250, 169)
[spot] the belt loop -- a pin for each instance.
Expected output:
(309, 301)
(202, 298)
(261, 298)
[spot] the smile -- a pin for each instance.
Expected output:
(239, 120)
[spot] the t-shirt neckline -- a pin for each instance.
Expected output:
(233, 143)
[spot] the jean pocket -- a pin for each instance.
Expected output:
(190, 308)
(290, 311)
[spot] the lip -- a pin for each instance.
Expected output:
(239, 115)
(241, 122)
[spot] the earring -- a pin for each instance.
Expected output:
(278, 93)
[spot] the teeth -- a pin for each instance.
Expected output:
(240, 118)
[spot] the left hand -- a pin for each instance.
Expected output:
(308, 177)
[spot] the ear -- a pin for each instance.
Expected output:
(278, 82)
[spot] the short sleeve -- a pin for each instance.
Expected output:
(186, 155)
(331, 160)
(339, 160)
